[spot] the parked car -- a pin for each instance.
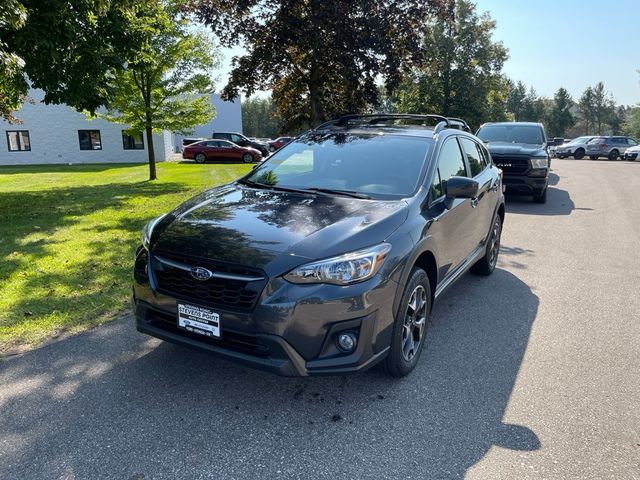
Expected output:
(519, 149)
(278, 143)
(328, 256)
(611, 147)
(575, 148)
(242, 141)
(631, 153)
(220, 150)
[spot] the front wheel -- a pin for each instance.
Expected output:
(487, 264)
(272, 148)
(247, 158)
(614, 154)
(578, 154)
(201, 158)
(410, 325)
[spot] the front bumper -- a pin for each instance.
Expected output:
(292, 329)
(524, 185)
(631, 155)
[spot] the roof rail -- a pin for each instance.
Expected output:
(373, 118)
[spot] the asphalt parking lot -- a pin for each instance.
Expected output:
(533, 372)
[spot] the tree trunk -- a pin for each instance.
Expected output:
(151, 152)
(316, 108)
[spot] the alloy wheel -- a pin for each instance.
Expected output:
(414, 323)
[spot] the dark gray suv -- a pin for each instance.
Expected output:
(328, 256)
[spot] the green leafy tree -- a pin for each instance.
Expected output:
(13, 85)
(586, 110)
(603, 107)
(631, 124)
(559, 118)
(68, 48)
(320, 58)
(459, 74)
(260, 119)
(166, 82)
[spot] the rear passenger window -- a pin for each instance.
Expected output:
(474, 158)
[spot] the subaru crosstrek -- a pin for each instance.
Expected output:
(328, 256)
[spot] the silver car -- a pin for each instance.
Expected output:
(575, 148)
(611, 147)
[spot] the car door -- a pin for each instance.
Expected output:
(454, 229)
(211, 150)
(230, 151)
(481, 171)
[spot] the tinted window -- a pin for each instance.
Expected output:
(451, 163)
(474, 157)
(18, 141)
(436, 187)
(89, 139)
(631, 141)
(383, 165)
(526, 134)
(132, 142)
(237, 138)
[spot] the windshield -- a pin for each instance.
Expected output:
(526, 134)
(370, 164)
(578, 140)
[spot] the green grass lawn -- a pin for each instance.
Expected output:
(67, 238)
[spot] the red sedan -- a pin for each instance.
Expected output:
(220, 150)
(278, 143)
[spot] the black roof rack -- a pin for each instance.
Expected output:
(373, 118)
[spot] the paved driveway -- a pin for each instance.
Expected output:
(533, 372)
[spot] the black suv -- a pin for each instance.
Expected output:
(328, 256)
(520, 150)
(242, 141)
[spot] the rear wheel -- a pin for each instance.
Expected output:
(247, 158)
(410, 325)
(614, 154)
(201, 158)
(578, 154)
(272, 148)
(541, 198)
(487, 264)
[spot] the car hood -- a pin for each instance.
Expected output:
(634, 149)
(247, 226)
(516, 149)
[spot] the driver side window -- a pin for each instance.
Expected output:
(450, 164)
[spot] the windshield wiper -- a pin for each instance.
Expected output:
(346, 193)
(251, 183)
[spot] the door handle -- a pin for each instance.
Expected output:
(494, 188)
(474, 202)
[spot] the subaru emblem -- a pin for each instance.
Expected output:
(201, 273)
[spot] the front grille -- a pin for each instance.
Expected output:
(231, 293)
(512, 165)
(230, 340)
(631, 156)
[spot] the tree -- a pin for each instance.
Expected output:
(559, 117)
(13, 85)
(166, 82)
(68, 48)
(259, 118)
(320, 58)
(586, 109)
(516, 99)
(459, 73)
(631, 125)
(603, 106)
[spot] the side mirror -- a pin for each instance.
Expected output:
(461, 187)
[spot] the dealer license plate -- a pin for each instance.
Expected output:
(199, 320)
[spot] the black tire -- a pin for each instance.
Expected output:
(272, 148)
(405, 351)
(200, 158)
(487, 264)
(593, 157)
(579, 154)
(613, 154)
(247, 158)
(541, 198)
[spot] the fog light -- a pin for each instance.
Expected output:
(346, 342)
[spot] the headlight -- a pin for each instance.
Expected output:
(147, 231)
(343, 270)
(539, 162)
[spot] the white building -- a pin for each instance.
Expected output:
(59, 134)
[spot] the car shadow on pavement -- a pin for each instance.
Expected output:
(112, 403)
(558, 203)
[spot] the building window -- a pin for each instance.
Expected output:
(132, 142)
(18, 140)
(89, 139)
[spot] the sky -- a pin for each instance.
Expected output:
(562, 43)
